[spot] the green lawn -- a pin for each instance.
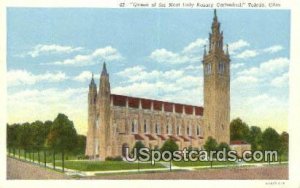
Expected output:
(49, 156)
(106, 165)
(201, 163)
(284, 158)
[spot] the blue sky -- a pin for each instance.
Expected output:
(152, 53)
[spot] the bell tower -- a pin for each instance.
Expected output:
(216, 69)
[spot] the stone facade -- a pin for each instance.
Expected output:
(116, 122)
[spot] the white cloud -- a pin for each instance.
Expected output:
(23, 77)
(195, 46)
(190, 53)
(164, 56)
(236, 65)
(139, 73)
(237, 45)
(273, 49)
(52, 49)
(245, 80)
(172, 85)
(267, 68)
(175, 92)
(47, 103)
(85, 76)
(281, 81)
(107, 53)
(247, 54)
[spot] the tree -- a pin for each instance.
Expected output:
(239, 130)
(81, 143)
(255, 138)
(169, 145)
(26, 136)
(284, 143)
(270, 139)
(137, 146)
(210, 144)
(223, 145)
(12, 137)
(62, 137)
(38, 136)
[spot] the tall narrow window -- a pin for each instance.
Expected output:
(177, 130)
(221, 67)
(145, 126)
(156, 128)
(167, 129)
(188, 130)
(198, 130)
(208, 69)
(132, 127)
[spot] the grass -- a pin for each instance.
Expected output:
(106, 165)
(284, 158)
(201, 163)
(49, 156)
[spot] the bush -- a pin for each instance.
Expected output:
(118, 158)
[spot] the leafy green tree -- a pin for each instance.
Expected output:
(284, 143)
(255, 138)
(270, 139)
(211, 144)
(169, 145)
(12, 136)
(138, 146)
(81, 143)
(239, 130)
(38, 137)
(26, 140)
(223, 145)
(62, 137)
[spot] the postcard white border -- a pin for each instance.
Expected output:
(294, 107)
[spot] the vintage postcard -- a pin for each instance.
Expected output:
(151, 90)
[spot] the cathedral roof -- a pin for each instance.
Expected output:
(134, 102)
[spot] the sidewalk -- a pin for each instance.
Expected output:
(72, 172)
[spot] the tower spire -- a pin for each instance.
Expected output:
(104, 71)
(92, 80)
(227, 51)
(215, 37)
(215, 14)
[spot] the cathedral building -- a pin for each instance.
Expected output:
(116, 122)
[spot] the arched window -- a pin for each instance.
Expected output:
(132, 127)
(198, 130)
(208, 69)
(167, 129)
(221, 67)
(97, 123)
(145, 126)
(188, 130)
(177, 130)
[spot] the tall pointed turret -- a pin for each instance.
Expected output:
(104, 71)
(92, 115)
(216, 69)
(215, 37)
(104, 115)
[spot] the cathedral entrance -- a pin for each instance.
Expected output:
(124, 146)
